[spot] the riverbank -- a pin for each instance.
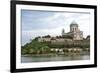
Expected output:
(58, 54)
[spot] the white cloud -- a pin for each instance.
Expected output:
(57, 22)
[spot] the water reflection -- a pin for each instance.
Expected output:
(55, 58)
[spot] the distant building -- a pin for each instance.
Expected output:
(74, 33)
(44, 39)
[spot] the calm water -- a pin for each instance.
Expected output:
(55, 58)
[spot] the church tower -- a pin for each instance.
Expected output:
(63, 31)
(73, 27)
(74, 33)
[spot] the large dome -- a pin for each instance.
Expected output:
(73, 24)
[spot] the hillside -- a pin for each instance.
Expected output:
(35, 47)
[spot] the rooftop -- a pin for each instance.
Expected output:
(74, 24)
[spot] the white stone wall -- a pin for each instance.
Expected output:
(44, 39)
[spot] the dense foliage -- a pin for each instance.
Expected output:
(35, 47)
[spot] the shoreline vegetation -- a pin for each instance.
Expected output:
(74, 48)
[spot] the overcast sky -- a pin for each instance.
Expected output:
(39, 23)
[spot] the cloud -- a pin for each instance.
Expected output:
(39, 23)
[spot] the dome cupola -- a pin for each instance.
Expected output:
(73, 27)
(73, 24)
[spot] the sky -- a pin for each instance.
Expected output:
(40, 23)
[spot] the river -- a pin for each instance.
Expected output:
(30, 59)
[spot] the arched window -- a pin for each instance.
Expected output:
(73, 29)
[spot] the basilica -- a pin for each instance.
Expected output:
(74, 33)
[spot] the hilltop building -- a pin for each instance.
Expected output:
(74, 33)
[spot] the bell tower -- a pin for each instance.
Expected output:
(73, 27)
(63, 31)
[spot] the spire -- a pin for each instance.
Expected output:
(63, 31)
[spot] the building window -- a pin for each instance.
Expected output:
(73, 29)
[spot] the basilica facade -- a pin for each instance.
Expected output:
(74, 33)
